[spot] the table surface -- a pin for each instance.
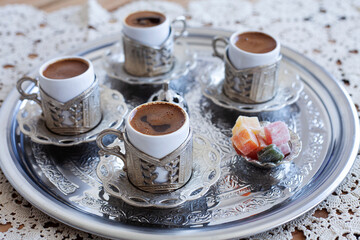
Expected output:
(110, 5)
(53, 5)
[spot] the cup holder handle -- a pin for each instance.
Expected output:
(182, 20)
(33, 96)
(115, 150)
(214, 45)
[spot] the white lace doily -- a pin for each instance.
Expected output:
(326, 31)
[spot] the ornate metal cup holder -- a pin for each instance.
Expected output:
(295, 145)
(206, 171)
(184, 61)
(290, 87)
(31, 121)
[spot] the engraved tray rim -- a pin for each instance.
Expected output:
(323, 182)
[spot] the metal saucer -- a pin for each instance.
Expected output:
(113, 63)
(206, 172)
(290, 87)
(32, 124)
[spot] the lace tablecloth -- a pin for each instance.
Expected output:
(326, 31)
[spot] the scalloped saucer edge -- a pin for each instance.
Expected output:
(32, 124)
(206, 172)
(288, 93)
(185, 60)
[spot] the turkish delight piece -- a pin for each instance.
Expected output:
(262, 144)
(261, 139)
(277, 133)
(245, 141)
(237, 150)
(285, 148)
(246, 122)
(270, 153)
(261, 135)
(253, 155)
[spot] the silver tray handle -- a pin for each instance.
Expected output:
(182, 20)
(214, 45)
(34, 96)
(116, 150)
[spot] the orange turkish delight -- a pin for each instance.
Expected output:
(246, 122)
(262, 142)
(245, 141)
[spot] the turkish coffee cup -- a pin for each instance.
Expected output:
(68, 95)
(251, 66)
(158, 147)
(148, 43)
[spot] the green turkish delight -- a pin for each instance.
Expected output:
(270, 153)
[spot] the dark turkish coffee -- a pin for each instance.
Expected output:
(65, 68)
(255, 42)
(145, 19)
(158, 118)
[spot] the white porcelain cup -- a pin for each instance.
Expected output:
(151, 36)
(64, 90)
(157, 146)
(241, 59)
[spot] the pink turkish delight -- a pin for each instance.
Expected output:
(277, 133)
(285, 148)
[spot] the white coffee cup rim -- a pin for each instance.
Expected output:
(145, 28)
(53, 60)
(130, 115)
(235, 34)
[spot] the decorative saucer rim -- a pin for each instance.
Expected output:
(183, 63)
(212, 89)
(196, 187)
(31, 122)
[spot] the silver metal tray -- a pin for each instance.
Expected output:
(61, 181)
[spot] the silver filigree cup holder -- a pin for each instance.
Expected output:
(76, 116)
(148, 61)
(143, 170)
(295, 146)
(212, 81)
(205, 173)
(250, 85)
(32, 123)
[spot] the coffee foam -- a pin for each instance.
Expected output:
(145, 19)
(255, 42)
(158, 118)
(65, 68)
